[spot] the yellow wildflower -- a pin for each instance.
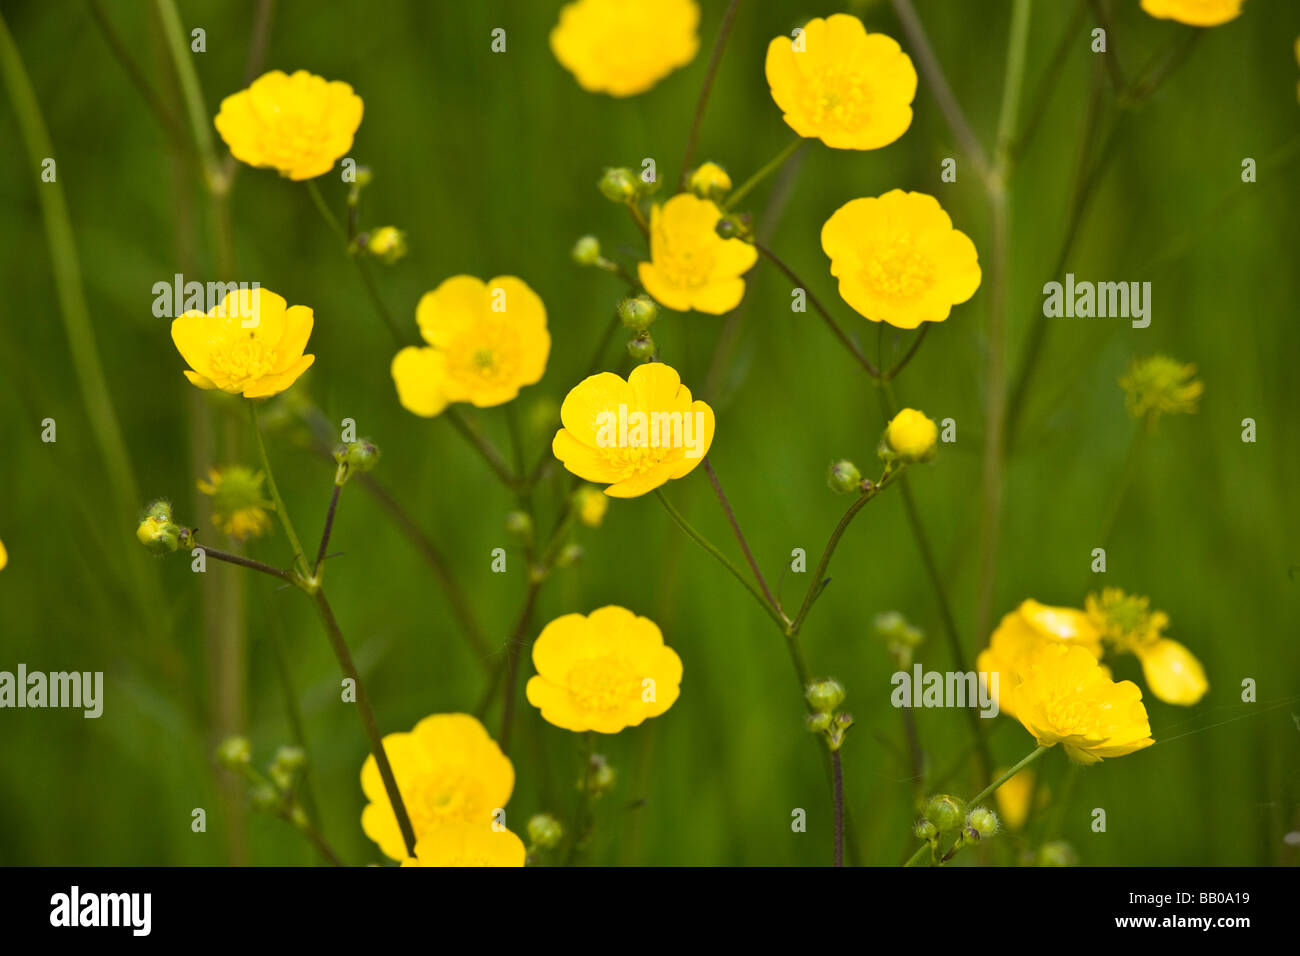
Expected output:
(691, 266)
(252, 344)
(1067, 698)
(1158, 385)
(592, 505)
(486, 341)
(710, 181)
(455, 843)
(603, 671)
(448, 770)
(624, 47)
(899, 260)
(387, 243)
(633, 435)
(239, 507)
(1127, 622)
(298, 125)
(1020, 635)
(911, 435)
(840, 84)
(1195, 13)
(4, 556)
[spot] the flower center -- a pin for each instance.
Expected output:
(838, 97)
(896, 269)
(603, 683)
(245, 360)
(487, 356)
(685, 265)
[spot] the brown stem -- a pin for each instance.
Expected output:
(512, 662)
(719, 45)
(740, 536)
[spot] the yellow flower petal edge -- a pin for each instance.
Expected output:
(251, 344)
(4, 556)
(603, 671)
(840, 84)
(1195, 13)
(1067, 698)
(448, 770)
(691, 266)
(1021, 634)
(1172, 672)
(899, 260)
(468, 844)
(624, 47)
(633, 435)
(298, 125)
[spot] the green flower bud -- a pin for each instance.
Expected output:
(157, 532)
(600, 776)
(586, 251)
(387, 243)
(825, 695)
(638, 312)
(729, 228)
(944, 812)
(619, 184)
(264, 797)
(844, 477)
(519, 525)
(569, 555)
(545, 831)
(1057, 853)
(359, 456)
(819, 722)
(298, 817)
(925, 830)
(233, 752)
(365, 176)
(641, 348)
(983, 821)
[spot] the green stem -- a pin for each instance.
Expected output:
(299, 556)
(485, 448)
(704, 543)
(837, 788)
(775, 163)
(200, 123)
(719, 45)
(372, 290)
(985, 793)
(66, 268)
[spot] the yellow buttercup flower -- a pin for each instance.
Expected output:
(1127, 622)
(486, 341)
(633, 435)
(448, 770)
(592, 505)
(603, 671)
(899, 260)
(1158, 385)
(239, 507)
(455, 843)
(4, 556)
(299, 125)
(1172, 672)
(1067, 698)
(840, 84)
(710, 181)
(691, 266)
(1195, 13)
(1019, 637)
(252, 344)
(624, 47)
(911, 435)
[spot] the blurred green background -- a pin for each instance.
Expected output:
(489, 161)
